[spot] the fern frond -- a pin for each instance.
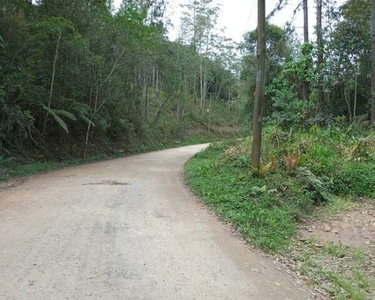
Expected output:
(57, 118)
(66, 114)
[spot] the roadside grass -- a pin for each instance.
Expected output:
(341, 271)
(303, 174)
(12, 167)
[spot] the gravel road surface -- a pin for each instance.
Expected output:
(126, 229)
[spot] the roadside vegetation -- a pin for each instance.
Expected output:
(83, 80)
(20, 166)
(302, 170)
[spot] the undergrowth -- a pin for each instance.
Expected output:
(19, 167)
(301, 171)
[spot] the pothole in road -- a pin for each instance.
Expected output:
(110, 182)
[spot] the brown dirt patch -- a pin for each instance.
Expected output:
(11, 183)
(355, 228)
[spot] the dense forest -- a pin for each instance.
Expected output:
(339, 81)
(81, 77)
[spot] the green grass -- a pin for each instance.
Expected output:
(303, 173)
(264, 210)
(310, 169)
(343, 272)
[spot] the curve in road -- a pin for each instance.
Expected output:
(126, 229)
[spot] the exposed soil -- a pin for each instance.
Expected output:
(355, 228)
(343, 245)
(11, 183)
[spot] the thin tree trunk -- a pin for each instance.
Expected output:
(205, 88)
(144, 94)
(347, 100)
(319, 33)
(373, 62)
(260, 86)
(305, 91)
(158, 114)
(145, 97)
(305, 21)
(157, 79)
(230, 88)
(209, 116)
(201, 84)
(96, 108)
(87, 140)
(52, 80)
(194, 26)
(178, 109)
(355, 96)
(218, 93)
(195, 90)
(178, 103)
(153, 77)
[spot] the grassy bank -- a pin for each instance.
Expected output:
(301, 170)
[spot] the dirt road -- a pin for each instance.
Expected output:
(126, 229)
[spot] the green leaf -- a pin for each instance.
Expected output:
(87, 120)
(83, 111)
(66, 114)
(57, 118)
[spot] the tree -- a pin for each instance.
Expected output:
(319, 36)
(305, 21)
(198, 29)
(347, 63)
(77, 77)
(279, 48)
(260, 86)
(305, 40)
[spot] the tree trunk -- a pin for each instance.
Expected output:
(98, 107)
(305, 21)
(204, 85)
(195, 90)
(157, 79)
(145, 99)
(355, 95)
(153, 77)
(305, 91)
(218, 93)
(209, 116)
(347, 100)
(260, 86)
(201, 84)
(373, 62)
(87, 140)
(319, 34)
(52, 80)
